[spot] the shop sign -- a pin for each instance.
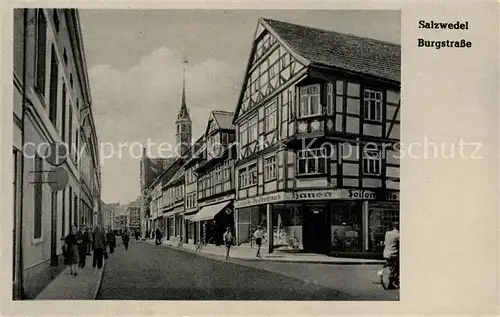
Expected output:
(368, 195)
(216, 200)
(314, 195)
(266, 199)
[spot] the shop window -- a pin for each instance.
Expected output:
(381, 215)
(287, 229)
(270, 168)
(312, 161)
(248, 176)
(371, 162)
(309, 101)
(373, 105)
(346, 222)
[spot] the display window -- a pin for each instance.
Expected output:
(346, 226)
(381, 215)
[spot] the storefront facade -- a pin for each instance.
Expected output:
(318, 161)
(320, 221)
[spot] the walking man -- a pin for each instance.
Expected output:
(259, 234)
(110, 238)
(83, 241)
(158, 236)
(99, 246)
(126, 238)
(228, 240)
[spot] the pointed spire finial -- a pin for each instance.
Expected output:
(183, 104)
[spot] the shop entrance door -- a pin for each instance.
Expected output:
(316, 230)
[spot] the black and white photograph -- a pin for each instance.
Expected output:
(206, 154)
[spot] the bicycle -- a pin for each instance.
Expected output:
(384, 274)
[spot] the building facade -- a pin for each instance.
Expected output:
(52, 106)
(150, 170)
(134, 213)
(317, 134)
(214, 172)
(191, 207)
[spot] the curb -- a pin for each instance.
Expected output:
(363, 262)
(98, 288)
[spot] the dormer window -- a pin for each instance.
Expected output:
(309, 101)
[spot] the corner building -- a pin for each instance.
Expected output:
(317, 131)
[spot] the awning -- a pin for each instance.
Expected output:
(189, 217)
(209, 212)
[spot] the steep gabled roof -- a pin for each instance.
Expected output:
(177, 176)
(352, 53)
(224, 119)
(313, 46)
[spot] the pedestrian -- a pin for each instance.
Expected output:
(99, 240)
(126, 238)
(71, 246)
(258, 235)
(110, 238)
(82, 247)
(228, 240)
(158, 236)
(391, 254)
(90, 240)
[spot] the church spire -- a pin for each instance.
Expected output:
(183, 113)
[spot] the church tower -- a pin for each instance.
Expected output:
(183, 123)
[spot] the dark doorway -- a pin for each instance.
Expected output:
(316, 229)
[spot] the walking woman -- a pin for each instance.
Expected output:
(72, 250)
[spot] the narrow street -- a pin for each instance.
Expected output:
(147, 272)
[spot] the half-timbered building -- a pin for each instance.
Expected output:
(317, 131)
(194, 156)
(172, 205)
(215, 178)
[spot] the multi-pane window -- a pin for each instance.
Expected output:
(64, 113)
(270, 168)
(309, 101)
(63, 229)
(70, 127)
(41, 51)
(312, 161)
(329, 99)
(54, 81)
(270, 117)
(38, 197)
(243, 134)
(226, 174)
(253, 133)
(372, 162)
(373, 105)
(248, 176)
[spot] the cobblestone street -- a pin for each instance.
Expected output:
(159, 273)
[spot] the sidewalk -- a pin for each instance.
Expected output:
(248, 253)
(83, 286)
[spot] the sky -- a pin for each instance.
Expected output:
(134, 59)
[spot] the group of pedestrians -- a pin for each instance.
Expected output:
(78, 245)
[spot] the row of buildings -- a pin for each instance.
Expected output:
(52, 106)
(118, 217)
(310, 152)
